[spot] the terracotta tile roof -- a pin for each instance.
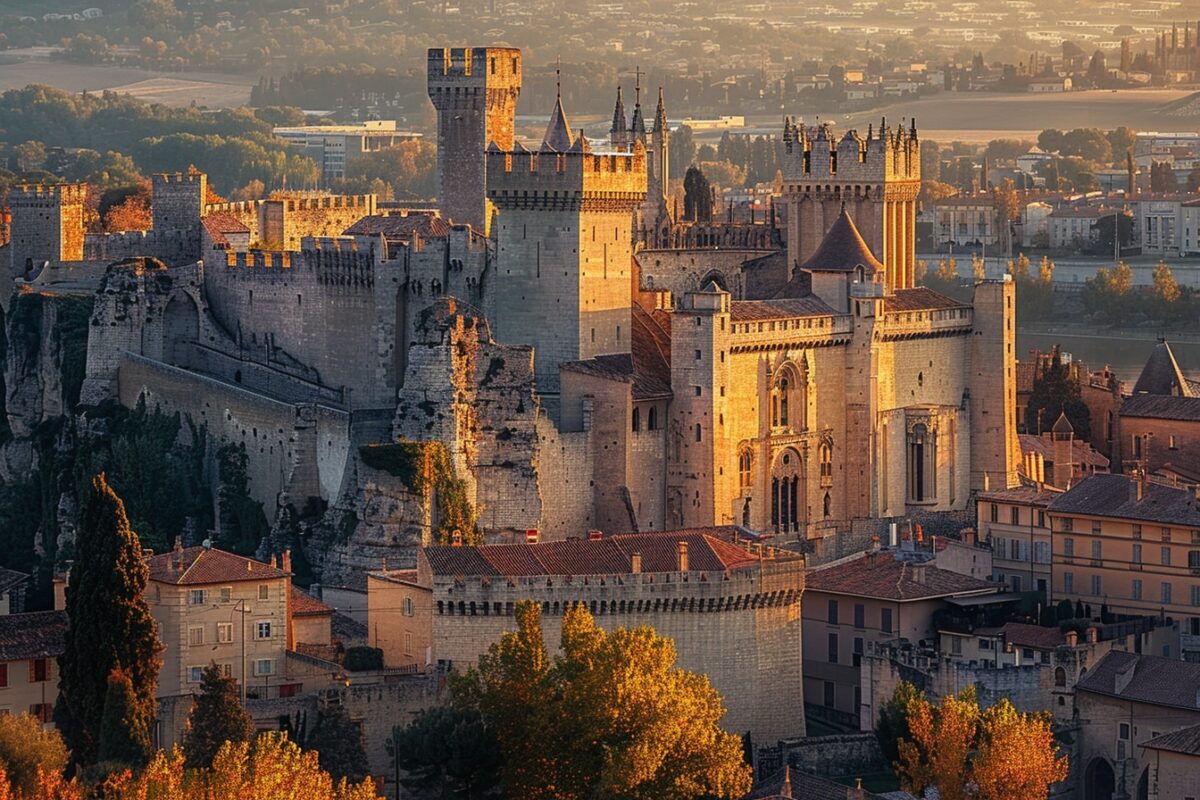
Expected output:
(883, 576)
(221, 223)
(396, 575)
(842, 249)
(791, 784)
(1144, 679)
(1184, 740)
(1023, 635)
(1161, 374)
(400, 226)
(919, 298)
(1162, 406)
(347, 630)
(1115, 496)
(646, 367)
(11, 579)
(199, 566)
(1081, 452)
(782, 308)
(1021, 494)
(40, 634)
(708, 551)
(305, 605)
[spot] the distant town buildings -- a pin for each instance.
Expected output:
(334, 146)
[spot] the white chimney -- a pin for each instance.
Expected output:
(683, 556)
(635, 563)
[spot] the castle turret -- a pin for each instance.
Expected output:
(877, 179)
(564, 252)
(177, 201)
(47, 225)
(698, 446)
(475, 92)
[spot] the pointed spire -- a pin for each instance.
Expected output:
(660, 114)
(638, 126)
(558, 133)
(618, 124)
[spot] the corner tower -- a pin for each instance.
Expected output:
(564, 253)
(47, 224)
(877, 178)
(475, 91)
(177, 202)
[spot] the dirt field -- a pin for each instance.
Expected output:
(176, 89)
(982, 116)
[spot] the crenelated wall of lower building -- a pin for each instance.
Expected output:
(318, 305)
(741, 628)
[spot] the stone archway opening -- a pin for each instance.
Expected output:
(1099, 781)
(181, 328)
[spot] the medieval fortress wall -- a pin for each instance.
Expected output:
(307, 326)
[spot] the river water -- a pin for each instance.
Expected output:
(1126, 352)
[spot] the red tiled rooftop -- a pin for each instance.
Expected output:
(39, 634)
(305, 605)
(919, 298)
(201, 565)
(881, 575)
(1024, 635)
(709, 550)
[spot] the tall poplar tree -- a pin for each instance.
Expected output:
(110, 625)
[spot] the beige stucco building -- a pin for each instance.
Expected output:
(399, 617)
(30, 645)
(1132, 544)
(858, 602)
(214, 606)
(1014, 522)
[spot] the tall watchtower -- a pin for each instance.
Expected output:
(564, 252)
(177, 200)
(475, 91)
(877, 178)
(47, 224)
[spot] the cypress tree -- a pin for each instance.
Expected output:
(125, 726)
(216, 718)
(110, 625)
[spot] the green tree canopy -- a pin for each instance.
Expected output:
(697, 199)
(610, 716)
(126, 726)
(339, 745)
(217, 717)
(447, 752)
(111, 627)
(1056, 391)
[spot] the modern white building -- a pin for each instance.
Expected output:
(333, 146)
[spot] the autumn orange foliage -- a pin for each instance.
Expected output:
(993, 754)
(272, 769)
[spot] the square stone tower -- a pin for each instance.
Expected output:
(177, 201)
(564, 253)
(876, 179)
(47, 224)
(475, 91)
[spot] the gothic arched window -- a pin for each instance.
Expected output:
(825, 452)
(744, 461)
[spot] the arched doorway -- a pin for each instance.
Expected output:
(1099, 782)
(1143, 787)
(788, 496)
(181, 327)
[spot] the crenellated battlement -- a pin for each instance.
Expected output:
(523, 177)
(236, 207)
(259, 259)
(475, 64)
(321, 201)
(177, 178)
(816, 154)
(27, 194)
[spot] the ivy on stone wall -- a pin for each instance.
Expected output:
(426, 466)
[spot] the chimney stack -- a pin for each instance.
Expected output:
(531, 536)
(456, 539)
(635, 563)
(1140, 484)
(595, 536)
(919, 573)
(683, 556)
(1072, 638)
(287, 561)
(177, 554)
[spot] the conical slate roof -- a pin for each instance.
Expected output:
(660, 114)
(558, 133)
(1162, 374)
(842, 249)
